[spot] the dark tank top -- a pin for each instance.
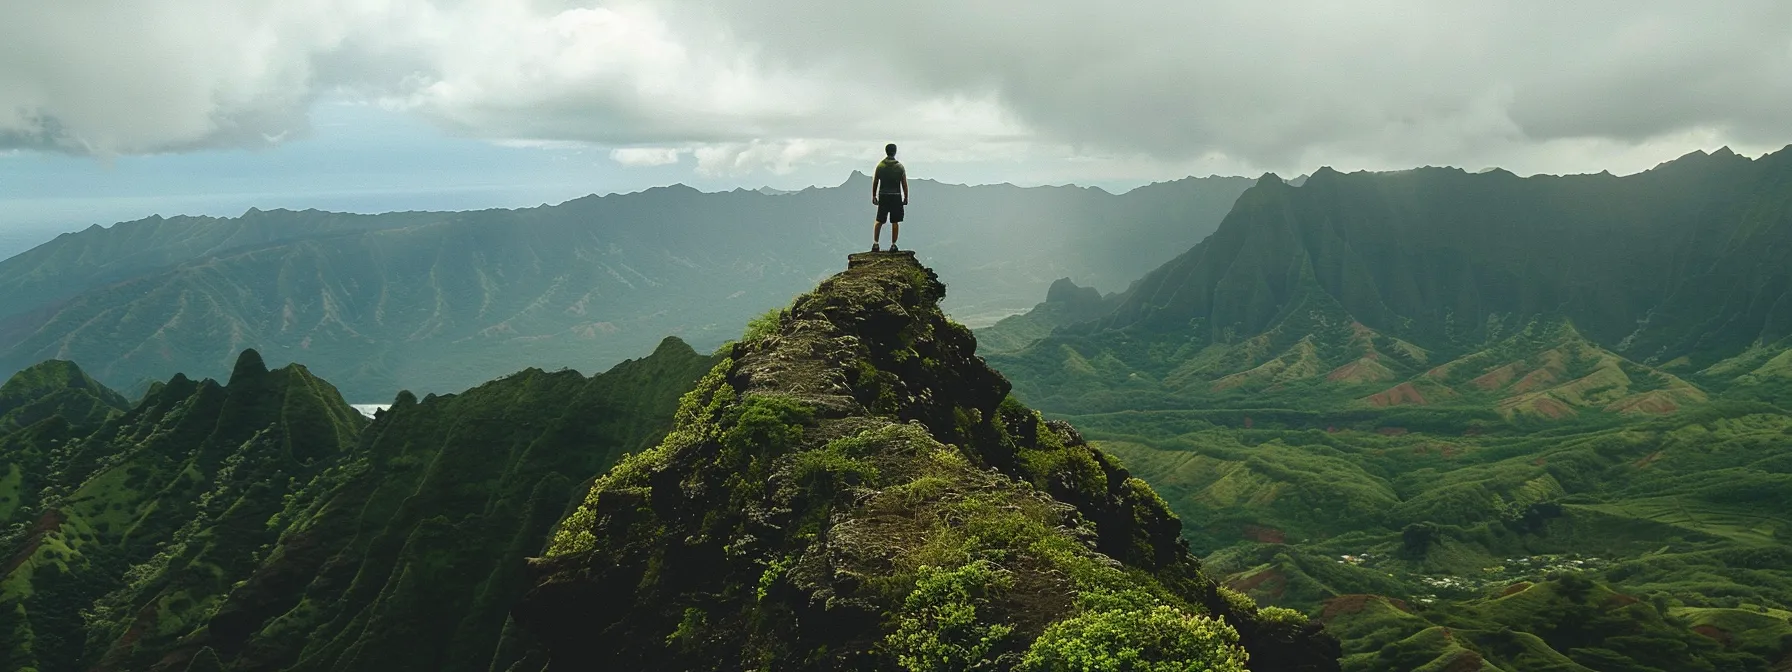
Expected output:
(889, 176)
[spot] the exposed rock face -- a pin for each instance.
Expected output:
(855, 489)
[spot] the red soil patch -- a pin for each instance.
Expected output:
(1270, 582)
(1350, 604)
(1444, 449)
(1247, 422)
(1654, 403)
(1398, 395)
(1516, 588)
(1467, 661)
(1331, 429)
(145, 622)
(1620, 600)
(1647, 460)
(1535, 380)
(1363, 370)
(1343, 605)
(1266, 535)
(34, 539)
(1390, 431)
(1540, 461)
(1228, 382)
(1713, 633)
(1552, 408)
(1497, 378)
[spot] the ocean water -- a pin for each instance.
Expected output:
(370, 410)
(16, 238)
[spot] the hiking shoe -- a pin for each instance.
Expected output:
(893, 248)
(875, 248)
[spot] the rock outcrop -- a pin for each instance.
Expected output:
(853, 488)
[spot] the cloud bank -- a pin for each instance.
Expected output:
(770, 84)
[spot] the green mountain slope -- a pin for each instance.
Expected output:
(55, 388)
(1472, 421)
(849, 485)
(1675, 274)
(1065, 303)
(853, 489)
(259, 526)
(438, 302)
(172, 494)
(41, 408)
(1315, 510)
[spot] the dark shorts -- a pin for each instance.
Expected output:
(889, 209)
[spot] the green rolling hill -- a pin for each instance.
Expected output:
(1470, 421)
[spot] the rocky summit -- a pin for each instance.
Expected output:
(851, 488)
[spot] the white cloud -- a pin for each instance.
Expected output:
(645, 156)
(769, 85)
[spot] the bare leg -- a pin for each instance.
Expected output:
(895, 230)
(877, 232)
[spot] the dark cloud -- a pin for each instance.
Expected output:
(1171, 83)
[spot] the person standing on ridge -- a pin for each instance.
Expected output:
(889, 192)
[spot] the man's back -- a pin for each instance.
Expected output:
(889, 176)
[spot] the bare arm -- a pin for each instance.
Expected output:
(874, 189)
(905, 189)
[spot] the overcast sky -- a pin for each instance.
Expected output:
(115, 109)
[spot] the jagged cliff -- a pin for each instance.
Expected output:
(853, 488)
(263, 524)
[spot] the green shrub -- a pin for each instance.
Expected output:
(1281, 618)
(1237, 602)
(1160, 639)
(939, 630)
(762, 326)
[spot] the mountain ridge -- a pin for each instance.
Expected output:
(241, 524)
(1673, 267)
(440, 301)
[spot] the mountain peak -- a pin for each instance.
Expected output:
(47, 375)
(673, 344)
(56, 387)
(1063, 290)
(248, 365)
(862, 472)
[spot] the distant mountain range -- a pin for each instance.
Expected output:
(1469, 421)
(1539, 295)
(439, 301)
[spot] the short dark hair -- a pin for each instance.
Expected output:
(890, 149)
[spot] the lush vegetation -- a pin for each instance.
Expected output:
(848, 486)
(854, 489)
(1471, 421)
(1675, 522)
(263, 524)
